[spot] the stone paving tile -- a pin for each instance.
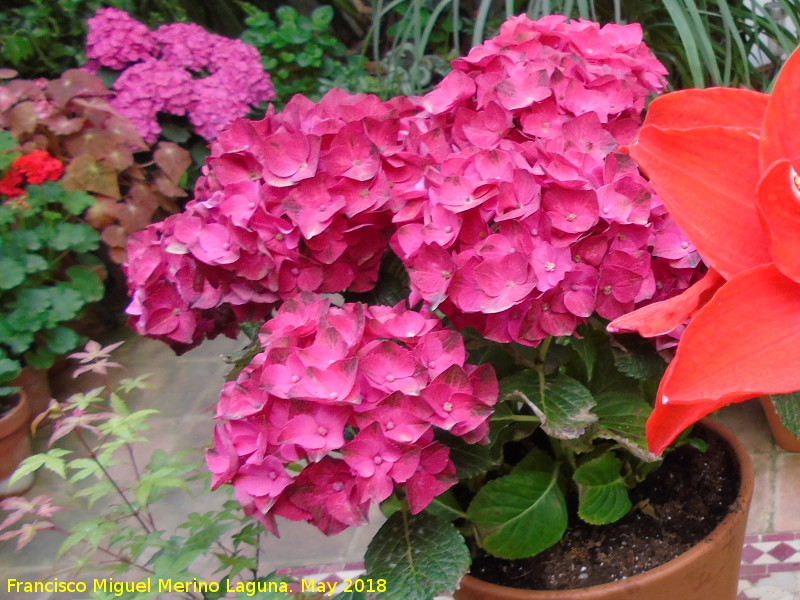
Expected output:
(786, 508)
(760, 518)
(747, 421)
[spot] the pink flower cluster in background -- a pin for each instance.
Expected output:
(532, 220)
(160, 72)
(297, 202)
(348, 396)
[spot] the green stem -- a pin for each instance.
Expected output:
(93, 456)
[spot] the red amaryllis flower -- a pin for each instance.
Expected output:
(725, 162)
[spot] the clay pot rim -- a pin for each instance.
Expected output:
(16, 418)
(746, 484)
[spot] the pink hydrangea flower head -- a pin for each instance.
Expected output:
(501, 218)
(179, 69)
(115, 39)
(292, 405)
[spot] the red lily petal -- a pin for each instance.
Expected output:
(779, 202)
(742, 344)
(707, 179)
(723, 107)
(667, 421)
(662, 317)
(779, 139)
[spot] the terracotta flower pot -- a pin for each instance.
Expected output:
(36, 385)
(783, 437)
(15, 445)
(708, 571)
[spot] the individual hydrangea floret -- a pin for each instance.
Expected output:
(340, 408)
(179, 69)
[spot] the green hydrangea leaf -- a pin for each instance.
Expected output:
(470, 460)
(11, 274)
(622, 416)
(602, 493)
(563, 405)
(520, 514)
(640, 366)
(419, 556)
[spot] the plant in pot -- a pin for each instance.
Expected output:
(500, 206)
(49, 274)
(15, 443)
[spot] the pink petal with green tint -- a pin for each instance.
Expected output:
(779, 202)
(707, 178)
(722, 107)
(742, 344)
(662, 317)
(779, 136)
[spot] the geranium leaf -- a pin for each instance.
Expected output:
(77, 201)
(86, 282)
(61, 339)
(74, 236)
(603, 496)
(419, 556)
(13, 274)
(519, 515)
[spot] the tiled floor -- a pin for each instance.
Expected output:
(186, 387)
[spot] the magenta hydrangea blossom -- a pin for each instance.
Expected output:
(498, 244)
(349, 396)
(277, 213)
(160, 72)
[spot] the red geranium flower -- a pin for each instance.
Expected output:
(725, 162)
(36, 167)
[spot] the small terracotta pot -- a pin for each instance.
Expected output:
(36, 386)
(707, 571)
(15, 446)
(783, 437)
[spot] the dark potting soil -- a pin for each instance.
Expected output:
(676, 507)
